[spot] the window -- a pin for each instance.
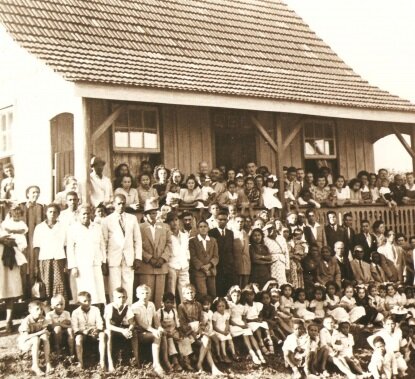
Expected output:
(319, 139)
(137, 129)
(6, 121)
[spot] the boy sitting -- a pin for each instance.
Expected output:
(192, 326)
(383, 364)
(119, 321)
(295, 348)
(60, 322)
(147, 325)
(88, 326)
(34, 333)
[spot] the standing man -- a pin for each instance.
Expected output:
(301, 178)
(101, 187)
(225, 277)
(350, 233)
(188, 226)
(328, 270)
(395, 254)
(157, 250)
(123, 245)
(251, 168)
(334, 232)
(367, 240)
(314, 233)
(292, 185)
(178, 274)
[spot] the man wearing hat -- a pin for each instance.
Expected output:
(157, 249)
(101, 187)
(123, 243)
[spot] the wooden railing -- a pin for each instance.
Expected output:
(401, 219)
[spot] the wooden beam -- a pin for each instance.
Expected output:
(264, 133)
(107, 123)
(279, 155)
(402, 140)
(297, 127)
(413, 145)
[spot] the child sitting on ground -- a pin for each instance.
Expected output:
(317, 357)
(34, 334)
(302, 305)
(169, 321)
(382, 364)
(119, 321)
(88, 327)
(295, 349)
(60, 322)
(192, 325)
(221, 327)
(148, 325)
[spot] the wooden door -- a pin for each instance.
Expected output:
(62, 143)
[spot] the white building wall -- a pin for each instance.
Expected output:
(37, 94)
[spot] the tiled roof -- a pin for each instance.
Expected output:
(237, 47)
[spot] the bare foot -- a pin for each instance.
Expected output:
(49, 369)
(216, 372)
(111, 368)
(37, 371)
(102, 365)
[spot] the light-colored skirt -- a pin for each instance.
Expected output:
(256, 325)
(90, 279)
(237, 331)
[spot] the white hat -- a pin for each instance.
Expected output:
(150, 205)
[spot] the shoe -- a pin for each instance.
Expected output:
(226, 359)
(187, 365)
(177, 367)
(256, 360)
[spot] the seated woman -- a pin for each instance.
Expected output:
(320, 192)
(190, 197)
(366, 193)
(121, 170)
(409, 197)
(161, 184)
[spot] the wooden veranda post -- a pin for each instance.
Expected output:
(82, 129)
(413, 145)
(279, 155)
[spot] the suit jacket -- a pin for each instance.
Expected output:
(160, 247)
(349, 243)
(378, 274)
(225, 250)
(361, 275)
(399, 262)
(119, 243)
(360, 239)
(294, 187)
(200, 257)
(328, 272)
(389, 268)
(321, 236)
(335, 235)
(345, 270)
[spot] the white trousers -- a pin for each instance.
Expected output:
(121, 276)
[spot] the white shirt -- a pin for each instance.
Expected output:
(203, 240)
(180, 256)
(101, 189)
(68, 217)
(91, 319)
(212, 222)
(314, 229)
(389, 251)
(131, 196)
(152, 230)
(50, 241)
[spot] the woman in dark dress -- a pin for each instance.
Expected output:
(261, 258)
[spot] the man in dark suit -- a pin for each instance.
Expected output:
(344, 264)
(366, 239)
(334, 232)
(225, 277)
(313, 232)
(360, 268)
(350, 233)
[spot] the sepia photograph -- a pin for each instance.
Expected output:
(207, 188)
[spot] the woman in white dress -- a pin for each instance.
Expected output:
(10, 279)
(86, 255)
(277, 246)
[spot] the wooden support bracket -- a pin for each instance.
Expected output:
(264, 133)
(107, 123)
(296, 128)
(402, 140)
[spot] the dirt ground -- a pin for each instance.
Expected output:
(14, 364)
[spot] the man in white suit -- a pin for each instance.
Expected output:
(124, 248)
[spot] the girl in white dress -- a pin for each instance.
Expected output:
(255, 323)
(301, 306)
(269, 196)
(238, 326)
(333, 307)
(221, 327)
(318, 304)
(348, 302)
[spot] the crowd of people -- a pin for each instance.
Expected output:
(211, 267)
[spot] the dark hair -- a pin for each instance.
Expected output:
(231, 183)
(284, 286)
(222, 213)
(118, 169)
(347, 214)
(363, 173)
(205, 299)
(219, 300)
(378, 339)
(53, 205)
(332, 283)
(400, 235)
(364, 221)
(72, 193)
(331, 213)
(142, 175)
(376, 224)
(353, 182)
(168, 296)
(185, 214)
(30, 187)
(297, 293)
(251, 241)
(249, 178)
(191, 177)
(341, 177)
(171, 216)
(85, 294)
(202, 222)
(120, 290)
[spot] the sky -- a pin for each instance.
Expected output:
(376, 38)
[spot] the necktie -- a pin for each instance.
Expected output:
(361, 266)
(348, 233)
(394, 253)
(122, 224)
(223, 232)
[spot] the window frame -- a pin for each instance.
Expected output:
(142, 109)
(323, 123)
(9, 114)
